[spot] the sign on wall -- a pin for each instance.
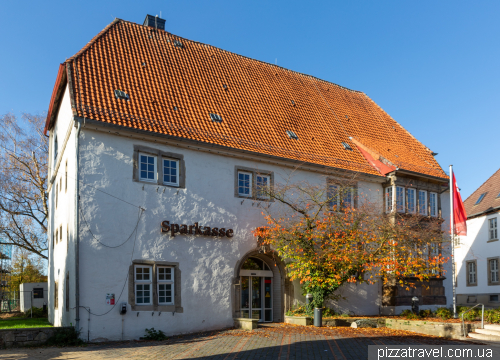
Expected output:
(110, 299)
(195, 230)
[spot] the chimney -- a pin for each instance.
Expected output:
(154, 22)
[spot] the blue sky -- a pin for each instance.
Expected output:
(432, 65)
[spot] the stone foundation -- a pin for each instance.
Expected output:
(25, 337)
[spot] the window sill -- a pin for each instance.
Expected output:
(471, 285)
(253, 198)
(492, 240)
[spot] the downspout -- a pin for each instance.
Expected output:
(77, 232)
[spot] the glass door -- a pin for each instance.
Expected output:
(256, 298)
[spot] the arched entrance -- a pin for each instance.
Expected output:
(260, 290)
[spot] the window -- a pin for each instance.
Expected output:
(143, 284)
(57, 236)
(67, 291)
(433, 202)
(165, 285)
(411, 201)
(388, 199)
(493, 265)
(262, 186)
(244, 184)
(422, 202)
(400, 199)
(56, 194)
(481, 197)
(55, 150)
(56, 295)
(434, 252)
(471, 273)
(340, 196)
(215, 118)
(493, 227)
(147, 168)
(60, 233)
(37, 293)
(292, 135)
(60, 184)
(171, 172)
(66, 177)
(493, 298)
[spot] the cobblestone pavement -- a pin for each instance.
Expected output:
(276, 341)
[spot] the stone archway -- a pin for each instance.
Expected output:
(281, 287)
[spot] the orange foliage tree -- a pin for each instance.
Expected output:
(329, 237)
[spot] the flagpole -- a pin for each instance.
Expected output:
(452, 232)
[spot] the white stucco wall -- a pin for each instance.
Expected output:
(477, 246)
(61, 255)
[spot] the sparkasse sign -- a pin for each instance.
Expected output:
(194, 230)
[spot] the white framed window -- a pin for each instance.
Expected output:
(244, 184)
(422, 202)
(147, 167)
(262, 183)
(411, 201)
(433, 203)
(493, 227)
(165, 283)
(471, 273)
(143, 282)
(388, 199)
(400, 199)
(434, 252)
(171, 172)
(493, 270)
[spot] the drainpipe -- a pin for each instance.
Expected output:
(77, 232)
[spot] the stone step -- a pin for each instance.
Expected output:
(488, 332)
(484, 337)
(492, 327)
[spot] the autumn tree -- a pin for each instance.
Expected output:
(25, 268)
(23, 182)
(329, 236)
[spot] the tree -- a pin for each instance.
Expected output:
(326, 242)
(25, 268)
(23, 183)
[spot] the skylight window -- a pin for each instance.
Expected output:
(215, 118)
(121, 95)
(481, 197)
(498, 196)
(177, 43)
(292, 135)
(346, 146)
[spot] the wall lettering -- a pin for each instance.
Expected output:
(195, 229)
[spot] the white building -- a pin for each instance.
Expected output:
(33, 295)
(478, 253)
(155, 132)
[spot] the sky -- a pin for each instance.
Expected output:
(432, 65)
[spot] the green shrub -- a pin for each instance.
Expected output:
(65, 337)
(327, 312)
(426, 313)
(152, 334)
(345, 315)
(443, 313)
(492, 316)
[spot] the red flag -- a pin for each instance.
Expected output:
(459, 215)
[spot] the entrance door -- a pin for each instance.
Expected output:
(257, 298)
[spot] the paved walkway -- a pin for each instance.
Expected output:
(277, 341)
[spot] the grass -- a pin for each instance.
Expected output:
(13, 323)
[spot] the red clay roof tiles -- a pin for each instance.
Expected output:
(174, 89)
(491, 199)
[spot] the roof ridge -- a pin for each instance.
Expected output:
(480, 186)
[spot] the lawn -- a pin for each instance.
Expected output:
(14, 323)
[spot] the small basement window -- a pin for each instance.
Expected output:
(493, 298)
(292, 135)
(121, 95)
(346, 146)
(216, 118)
(481, 197)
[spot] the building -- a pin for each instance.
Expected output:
(478, 253)
(33, 295)
(164, 139)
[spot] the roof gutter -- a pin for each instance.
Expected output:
(414, 173)
(484, 212)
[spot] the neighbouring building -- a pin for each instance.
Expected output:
(157, 144)
(478, 253)
(33, 295)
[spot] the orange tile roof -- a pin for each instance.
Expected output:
(174, 89)
(490, 201)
